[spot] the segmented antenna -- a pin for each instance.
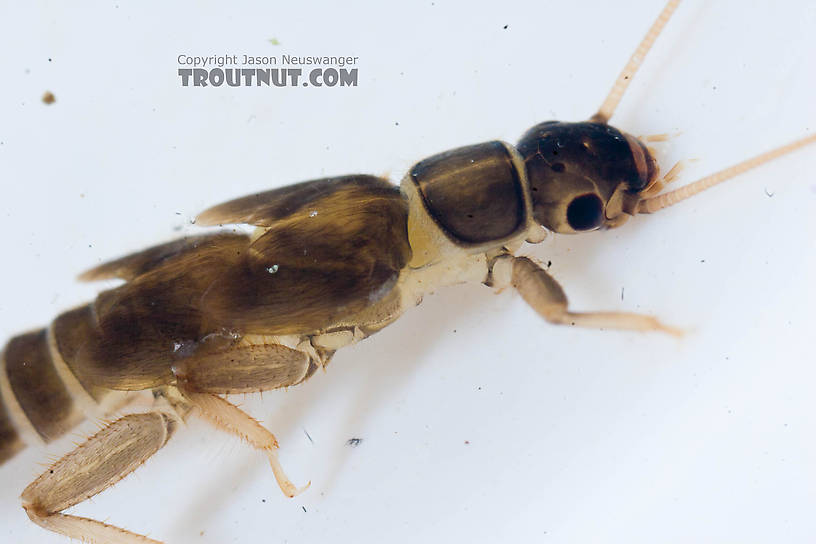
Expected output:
(614, 97)
(655, 203)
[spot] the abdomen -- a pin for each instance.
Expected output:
(43, 391)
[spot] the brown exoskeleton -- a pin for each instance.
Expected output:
(234, 318)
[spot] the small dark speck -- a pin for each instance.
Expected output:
(702, 260)
(354, 442)
(48, 98)
(178, 213)
(49, 59)
(769, 194)
(549, 264)
(622, 288)
(90, 245)
(505, 27)
(454, 330)
(263, 500)
(714, 88)
(177, 228)
(308, 436)
(396, 124)
(304, 508)
(467, 442)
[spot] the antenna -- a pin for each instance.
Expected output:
(614, 97)
(655, 203)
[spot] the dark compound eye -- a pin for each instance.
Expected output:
(585, 212)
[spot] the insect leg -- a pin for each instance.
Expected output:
(228, 417)
(244, 369)
(545, 296)
(104, 459)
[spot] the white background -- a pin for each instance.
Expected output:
(574, 435)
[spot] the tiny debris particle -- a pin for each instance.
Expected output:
(48, 98)
(467, 442)
(307, 435)
(549, 264)
(505, 26)
(354, 442)
(274, 41)
(263, 500)
(272, 269)
(622, 288)
(304, 508)
(768, 194)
